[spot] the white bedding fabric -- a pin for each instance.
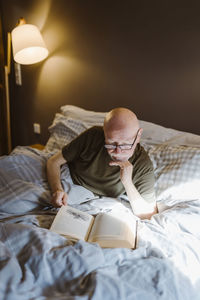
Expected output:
(38, 264)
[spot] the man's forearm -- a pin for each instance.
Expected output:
(59, 197)
(53, 171)
(134, 197)
(139, 206)
(53, 176)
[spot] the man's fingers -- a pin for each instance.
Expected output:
(59, 199)
(64, 200)
(115, 163)
(58, 202)
(119, 164)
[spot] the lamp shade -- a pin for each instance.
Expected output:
(28, 44)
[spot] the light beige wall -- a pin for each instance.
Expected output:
(109, 53)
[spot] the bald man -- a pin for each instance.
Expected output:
(109, 161)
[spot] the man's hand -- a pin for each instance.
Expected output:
(126, 170)
(59, 198)
(140, 207)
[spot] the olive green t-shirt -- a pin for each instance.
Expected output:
(88, 162)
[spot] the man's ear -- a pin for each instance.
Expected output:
(140, 132)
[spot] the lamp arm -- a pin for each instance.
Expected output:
(8, 51)
(7, 72)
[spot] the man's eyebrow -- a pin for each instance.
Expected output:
(118, 143)
(110, 142)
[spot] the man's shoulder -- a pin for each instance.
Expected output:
(140, 150)
(142, 156)
(92, 136)
(94, 132)
(87, 141)
(95, 129)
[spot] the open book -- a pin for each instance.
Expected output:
(109, 230)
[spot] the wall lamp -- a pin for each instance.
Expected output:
(28, 48)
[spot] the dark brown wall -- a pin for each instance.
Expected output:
(3, 129)
(144, 55)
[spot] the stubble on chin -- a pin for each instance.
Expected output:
(114, 158)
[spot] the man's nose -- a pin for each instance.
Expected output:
(117, 149)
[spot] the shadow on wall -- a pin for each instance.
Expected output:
(61, 71)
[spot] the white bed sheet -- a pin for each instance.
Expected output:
(38, 264)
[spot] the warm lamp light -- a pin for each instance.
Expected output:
(28, 44)
(28, 48)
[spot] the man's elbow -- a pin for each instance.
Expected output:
(55, 161)
(148, 212)
(149, 206)
(50, 163)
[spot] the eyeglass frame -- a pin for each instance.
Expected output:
(114, 147)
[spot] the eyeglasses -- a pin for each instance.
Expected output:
(123, 146)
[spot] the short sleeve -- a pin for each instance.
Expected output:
(143, 176)
(146, 187)
(83, 145)
(72, 150)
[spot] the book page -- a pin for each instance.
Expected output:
(114, 230)
(72, 223)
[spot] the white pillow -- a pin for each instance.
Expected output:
(177, 172)
(69, 124)
(62, 131)
(152, 133)
(90, 117)
(156, 134)
(73, 120)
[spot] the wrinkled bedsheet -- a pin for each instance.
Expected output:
(38, 264)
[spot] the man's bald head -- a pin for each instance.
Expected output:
(120, 118)
(121, 127)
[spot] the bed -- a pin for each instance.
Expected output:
(36, 263)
